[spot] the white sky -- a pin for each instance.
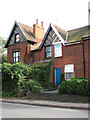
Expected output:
(68, 14)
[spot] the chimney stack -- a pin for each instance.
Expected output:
(42, 24)
(37, 21)
(38, 31)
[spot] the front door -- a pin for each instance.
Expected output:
(57, 76)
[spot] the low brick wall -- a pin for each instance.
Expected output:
(57, 97)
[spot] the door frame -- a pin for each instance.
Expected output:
(55, 75)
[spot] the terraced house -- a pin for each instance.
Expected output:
(69, 50)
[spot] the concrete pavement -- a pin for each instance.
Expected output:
(47, 103)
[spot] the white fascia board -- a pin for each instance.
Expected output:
(62, 40)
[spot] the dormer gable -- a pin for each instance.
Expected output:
(20, 33)
(53, 34)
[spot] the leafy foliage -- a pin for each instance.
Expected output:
(78, 85)
(13, 77)
(2, 45)
(30, 85)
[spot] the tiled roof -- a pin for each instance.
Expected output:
(61, 31)
(28, 32)
(73, 35)
(77, 34)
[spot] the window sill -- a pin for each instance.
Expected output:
(58, 57)
(48, 57)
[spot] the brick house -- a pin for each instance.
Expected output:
(69, 50)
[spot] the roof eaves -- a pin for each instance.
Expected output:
(10, 35)
(20, 28)
(55, 30)
(45, 36)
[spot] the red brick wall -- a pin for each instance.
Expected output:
(71, 54)
(24, 52)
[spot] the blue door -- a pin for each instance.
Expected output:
(57, 76)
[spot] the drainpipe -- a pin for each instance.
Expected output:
(83, 58)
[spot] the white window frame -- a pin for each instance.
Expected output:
(17, 37)
(47, 52)
(69, 69)
(16, 57)
(57, 43)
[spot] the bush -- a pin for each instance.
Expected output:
(31, 85)
(75, 86)
(34, 86)
(13, 93)
(13, 76)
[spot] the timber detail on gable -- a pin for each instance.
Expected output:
(25, 34)
(52, 36)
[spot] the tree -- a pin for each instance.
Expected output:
(2, 46)
(3, 57)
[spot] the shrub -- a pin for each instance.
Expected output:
(11, 74)
(75, 86)
(13, 93)
(34, 86)
(31, 85)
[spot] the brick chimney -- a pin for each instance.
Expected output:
(38, 31)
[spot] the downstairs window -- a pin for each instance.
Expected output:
(69, 71)
(16, 56)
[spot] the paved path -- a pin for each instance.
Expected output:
(48, 103)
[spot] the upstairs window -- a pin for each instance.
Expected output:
(57, 50)
(69, 71)
(16, 56)
(17, 37)
(48, 51)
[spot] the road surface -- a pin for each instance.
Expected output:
(12, 110)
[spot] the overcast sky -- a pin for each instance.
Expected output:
(68, 14)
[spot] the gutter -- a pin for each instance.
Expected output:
(83, 58)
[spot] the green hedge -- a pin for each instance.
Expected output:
(78, 85)
(14, 74)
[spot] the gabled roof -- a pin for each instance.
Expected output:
(25, 30)
(70, 36)
(77, 34)
(61, 33)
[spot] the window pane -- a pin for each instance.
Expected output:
(57, 53)
(48, 49)
(69, 68)
(69, 75)
(58, 46)
(14, 60)
(14, 55)
(17, 54)
(48, 54)
(57, 50)
(17, 37)
(17, 59)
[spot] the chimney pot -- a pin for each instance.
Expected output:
(37, 21)
(42, 23)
